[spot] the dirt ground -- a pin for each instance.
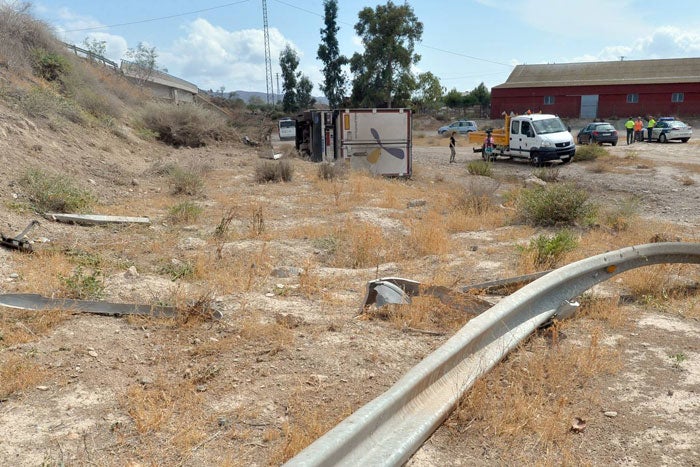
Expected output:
(292, 354)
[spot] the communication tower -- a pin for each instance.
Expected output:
(268, 61)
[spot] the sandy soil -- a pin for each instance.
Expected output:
(118, 391)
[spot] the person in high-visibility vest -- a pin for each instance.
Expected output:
(650, 126)
(629, 125)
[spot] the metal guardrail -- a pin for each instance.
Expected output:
(390, 428)
(92, 56)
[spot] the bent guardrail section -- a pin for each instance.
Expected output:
(390, 428)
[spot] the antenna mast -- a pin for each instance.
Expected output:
(268, 61)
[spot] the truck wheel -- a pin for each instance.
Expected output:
(536, 160)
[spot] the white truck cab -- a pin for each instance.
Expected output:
(536, 137)
(540, 138)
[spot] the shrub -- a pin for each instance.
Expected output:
(589, 152)
(554, 205)
(187, 211)
(547, 250)
(480, 168)
(21, 35)
(58, 193)
(83, 286)
(40, 102)
(267, 171)
(183, 125)
(185, 182)
(327, 171)
(548, 174)
(48, 65)
(177, 269)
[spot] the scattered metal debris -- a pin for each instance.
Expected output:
(390, 290)
(396, 290)
(250, 142)
(37, 302)
(19, 242)
(95, 219)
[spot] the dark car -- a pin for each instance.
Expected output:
(597, 133)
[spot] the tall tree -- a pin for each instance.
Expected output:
(429, 91)
(304, 88)
(334, 80)
(383, 72)
(480, 95)
(289, 61)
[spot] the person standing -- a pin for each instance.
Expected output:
(650, 127)
(629, 125)
(453, 153)
(638, 128)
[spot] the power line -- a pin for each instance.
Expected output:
(419, 44)
(159, 18)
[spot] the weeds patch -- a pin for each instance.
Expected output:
(184, 212)
(558, 204)
(57, 193)
(278, 171)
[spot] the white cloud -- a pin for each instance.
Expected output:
(71, 23)
(211, 56)
(664, 42)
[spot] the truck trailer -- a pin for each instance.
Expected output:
(377, 140)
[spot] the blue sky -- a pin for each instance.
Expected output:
(215, 43)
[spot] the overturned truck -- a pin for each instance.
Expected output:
(378, 140)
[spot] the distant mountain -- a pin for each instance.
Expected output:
(247, 95)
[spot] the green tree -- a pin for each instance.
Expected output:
(95, 47)
(289, 61)
(334, 80)
(429, 91)
(382, 74)
(481, 96)
(304, 88)
(143, 62)
(454, 99)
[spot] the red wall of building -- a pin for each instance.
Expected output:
(654, 99)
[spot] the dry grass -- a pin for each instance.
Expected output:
(428, 236)
(307, 422)
(604, 309)
(161, 431)
(531, 399)
(428, 313)
(18, 373)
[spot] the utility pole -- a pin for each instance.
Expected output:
(269, 85)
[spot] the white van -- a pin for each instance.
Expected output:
(287, 128)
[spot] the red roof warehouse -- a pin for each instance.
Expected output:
(602, 89)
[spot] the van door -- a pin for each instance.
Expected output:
(515, 138)
(527, 138)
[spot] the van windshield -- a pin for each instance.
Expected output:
(550, 125)
(287, 123)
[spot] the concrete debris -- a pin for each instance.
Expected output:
(95, 219)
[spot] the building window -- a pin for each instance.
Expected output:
(632, 98)
(677, 97)
(548, 100)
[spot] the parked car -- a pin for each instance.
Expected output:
(462, 127)
(668, 130)
(597, 133)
